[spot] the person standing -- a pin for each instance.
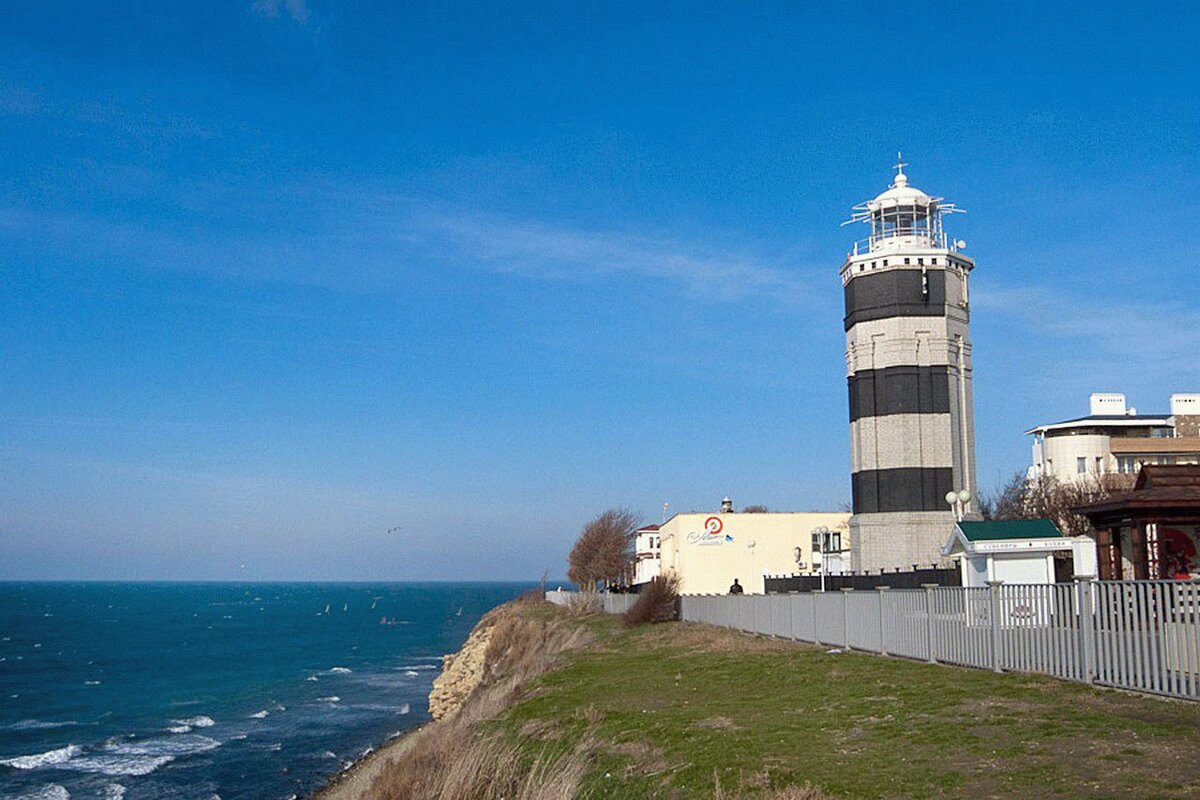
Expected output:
(736, 588)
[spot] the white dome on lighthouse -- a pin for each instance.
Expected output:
(903, 216)
(900, 194)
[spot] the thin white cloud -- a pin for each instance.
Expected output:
(541, 250)
(1148, 338)
(296, 9)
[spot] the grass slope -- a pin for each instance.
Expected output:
(668, 706)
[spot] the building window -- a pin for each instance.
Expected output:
(1081, 465)
(933, 261)
(885, 262)
(1099, 465)
(1049, 466)
(906, 261)
(920, 262)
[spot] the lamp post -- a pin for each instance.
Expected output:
(958, 502)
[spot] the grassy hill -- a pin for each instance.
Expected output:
(679, 710)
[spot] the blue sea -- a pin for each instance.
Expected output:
(215, 690)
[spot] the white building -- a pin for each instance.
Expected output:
(707, 551)
(1115, 438)
(647, 554)
(1018, 551)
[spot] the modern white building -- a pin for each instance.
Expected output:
(1114, 437)
(708, 550)
(908, 359)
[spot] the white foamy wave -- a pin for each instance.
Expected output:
(91, 683)
(51, 791)
(141, 757)
(403, 709)
(329, 754)
(114, 791)
(180, 729)
(260, 714)
(411, 673)
(312, 678)
(36, 725)
(49, 758)
(340, 671)
(410, 667)
(196, 722)
(333, 698)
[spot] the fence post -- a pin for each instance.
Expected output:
(929, 587)
(994, 613)
(880, 590)
(1087, 626)
(816, 629)
(846, 616)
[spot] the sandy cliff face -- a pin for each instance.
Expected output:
(462, 672)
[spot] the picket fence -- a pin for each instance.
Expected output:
(1138, 635)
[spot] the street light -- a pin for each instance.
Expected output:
(958, 502)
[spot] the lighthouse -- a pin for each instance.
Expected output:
(908, 361)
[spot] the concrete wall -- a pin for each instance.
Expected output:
(707, 551)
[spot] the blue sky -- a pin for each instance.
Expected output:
(277, 276)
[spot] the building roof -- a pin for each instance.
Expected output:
(647, 529)
(1010, 529)
(1130, 445)
(1166, 492)
(1105, 421)
(1005, 537)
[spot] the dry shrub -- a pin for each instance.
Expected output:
(584, 604)
(753, 786)
(658, 602)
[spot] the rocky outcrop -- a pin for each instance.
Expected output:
(462, 673)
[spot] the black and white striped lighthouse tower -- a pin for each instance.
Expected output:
(908, 357)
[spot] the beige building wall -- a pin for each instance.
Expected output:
(708, 550)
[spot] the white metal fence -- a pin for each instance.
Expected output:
(1138, 635)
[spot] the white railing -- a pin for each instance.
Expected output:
(1137, 635)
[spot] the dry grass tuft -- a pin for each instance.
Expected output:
(584, 604)
(658, 602)
(755, 786)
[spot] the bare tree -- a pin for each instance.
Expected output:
(604, 548)
(1048, 497)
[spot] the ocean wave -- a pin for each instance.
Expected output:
(333, 698)
(411, 673)
(51, 791)
(312, 678)
(140, 757)
(46, 759)
(403, 709)
(411, 667)
(37, 725)
(114, 791)
(340, 671)
(260, 714)
(179, 729)
(200, 721)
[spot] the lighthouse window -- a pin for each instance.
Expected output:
(906, 261)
